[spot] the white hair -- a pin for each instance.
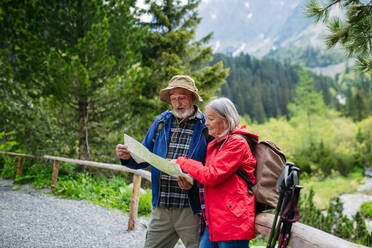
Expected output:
(226, 109)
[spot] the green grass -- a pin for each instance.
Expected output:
(109, 193)
(259, 241)
(333, 186)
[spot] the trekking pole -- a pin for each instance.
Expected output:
(289, 216)
(278, 227)
(273, 227)
(280, 187)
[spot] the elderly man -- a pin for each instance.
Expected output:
(175, 133)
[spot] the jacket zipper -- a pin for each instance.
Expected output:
(206, 199)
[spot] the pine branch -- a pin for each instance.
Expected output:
(331, 4)
(363, 64)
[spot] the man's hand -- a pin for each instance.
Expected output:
(183, 183)
(122, 152)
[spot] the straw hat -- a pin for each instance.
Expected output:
(180, 81)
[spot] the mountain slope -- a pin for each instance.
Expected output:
(257, 27)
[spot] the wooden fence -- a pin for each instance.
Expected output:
(302, 236)
(137, 175)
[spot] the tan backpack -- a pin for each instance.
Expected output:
(270, 161)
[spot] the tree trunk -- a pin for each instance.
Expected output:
(84, 153)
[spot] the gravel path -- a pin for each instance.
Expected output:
(37, 219)
(33, 218)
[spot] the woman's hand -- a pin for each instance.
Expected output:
(183, 183)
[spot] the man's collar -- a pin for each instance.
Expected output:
(197, 114)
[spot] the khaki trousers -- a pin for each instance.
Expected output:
(167, 225)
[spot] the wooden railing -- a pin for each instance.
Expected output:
(137, 175)
(302, 236)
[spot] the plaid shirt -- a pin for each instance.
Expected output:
(171, 195)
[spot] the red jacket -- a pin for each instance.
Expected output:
(229, 209)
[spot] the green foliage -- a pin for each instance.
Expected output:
(318, 143)
(37, 173)
(60, 72)
(23, 179)
(334, 221)
(352, 30)
(171, 48)
(111, 193)
(356, 87)
(363, 154)
(144, 205)
(325, 159)
(8, 142)
(263, 89)
(362, 235)
(10, 167)
(259, 88)
(259, 241)
(366, 209)
(331, 186)
(307, 99)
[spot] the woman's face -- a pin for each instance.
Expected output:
(216, 124)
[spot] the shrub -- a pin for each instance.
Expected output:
(144, 206)
(366, 209)
(334, 221)
(110, 193)
(2, 162)
(10, 168)
(23, 179)
(345, 163)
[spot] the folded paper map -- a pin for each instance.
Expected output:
(141, 154)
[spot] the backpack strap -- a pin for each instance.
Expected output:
(242, 174)
(158, 129)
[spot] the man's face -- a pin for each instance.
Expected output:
(182, 102)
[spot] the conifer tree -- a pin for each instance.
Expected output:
(353, 31)
(358, 106)
(172, 49)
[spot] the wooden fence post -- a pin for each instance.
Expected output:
(19, 166)
(134, 202)
(55, 172)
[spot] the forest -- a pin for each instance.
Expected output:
(76, 75)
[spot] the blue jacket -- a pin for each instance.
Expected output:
(197, 151)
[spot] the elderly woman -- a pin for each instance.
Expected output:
(227, 208)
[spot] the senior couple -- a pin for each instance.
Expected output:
(216, 210)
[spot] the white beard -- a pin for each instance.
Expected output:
(184, 115)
